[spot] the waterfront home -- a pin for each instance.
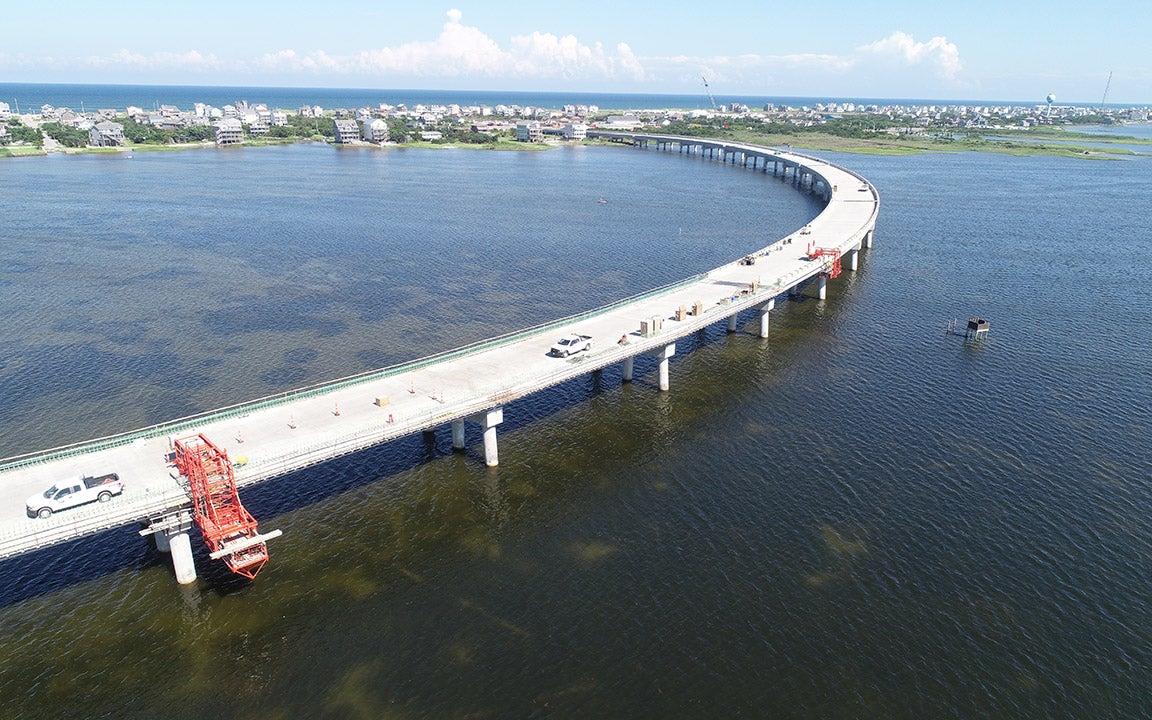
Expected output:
(429, 135)
(376, 131)
(279, 118)
(229, 131)
(5, 112)
(575, 131)
(347, 131)
(4, 135)
(529, 132)
(621, 122)
(106, 134)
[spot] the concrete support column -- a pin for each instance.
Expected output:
(849, 260)
(626, 370)
(821, 287)
(161, 540)
(488, 422)
(764, 310)
(866, 242)
(458, 434)
(732, 322)
(180, 546)
(662, 355)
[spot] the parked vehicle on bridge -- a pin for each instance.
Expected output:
(570, 344)
(65, 495)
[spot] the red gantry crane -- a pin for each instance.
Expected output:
(229, 531)
(832, 266)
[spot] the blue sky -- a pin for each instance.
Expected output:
(1019, 50)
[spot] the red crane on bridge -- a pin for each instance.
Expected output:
(229, 530)
(833, 269)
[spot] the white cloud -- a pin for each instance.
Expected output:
(464, 55)
(190, 60)
(463, 51)
(902, 47)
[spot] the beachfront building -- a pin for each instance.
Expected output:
(621, 122)
(229, 131)
(376, 131)
(106, 134)
(5, 136)
(529, 132)
(347, 131)
(279, 118)
(5, 112)
(575, 131)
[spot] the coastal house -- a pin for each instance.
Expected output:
(229, 131)
(279, 118)
(347, 131)
(376, 131)
(621, 122)
(431, 135)
(575, 131)
(106, 134)
(258, 128)
(529, 132)
(5, 136)
(5, 112)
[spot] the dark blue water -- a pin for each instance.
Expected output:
(861, 516)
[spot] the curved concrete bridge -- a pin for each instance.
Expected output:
(304, 427)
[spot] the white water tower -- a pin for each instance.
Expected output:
(1050, 99)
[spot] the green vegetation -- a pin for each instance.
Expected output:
(20, 133)
(141, 134)
(66, 135)
(878, 134)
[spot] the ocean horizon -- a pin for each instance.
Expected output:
(23, 97)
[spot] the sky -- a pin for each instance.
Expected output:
(1020, 50)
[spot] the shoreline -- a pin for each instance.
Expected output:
(1048, 140)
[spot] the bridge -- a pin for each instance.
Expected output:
(272, 436)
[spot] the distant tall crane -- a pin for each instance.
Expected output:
(707, 90)
(1106, 86)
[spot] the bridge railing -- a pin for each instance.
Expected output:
(190, 422)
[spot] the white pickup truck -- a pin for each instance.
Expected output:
(570, 344)
(71, 494)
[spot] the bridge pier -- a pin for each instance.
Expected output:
(180, 547)
(732, 322)
(866, 241)
(458, 435)
(488, 421)
(662, 355)
(170, 532)
(821, 287)
(764, 310)
(626, 369)
(850, 259)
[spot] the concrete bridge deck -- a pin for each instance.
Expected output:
(301, 428)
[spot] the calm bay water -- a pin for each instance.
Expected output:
(859, 517)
